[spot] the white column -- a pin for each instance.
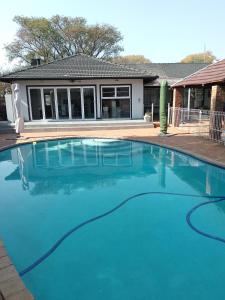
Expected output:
(189, 102)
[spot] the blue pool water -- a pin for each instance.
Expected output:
(144, 249)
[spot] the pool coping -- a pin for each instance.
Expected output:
(11, 284)
(159, 144)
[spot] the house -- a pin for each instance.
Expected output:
(80, 87)
(210, 84)
(172, 73)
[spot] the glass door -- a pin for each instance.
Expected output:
(88, 103)
(36, 109)
(49, 103)
(76, 105)
(62, 99)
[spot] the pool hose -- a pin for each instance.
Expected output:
(93, 219)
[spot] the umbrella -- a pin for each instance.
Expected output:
(162, 107)
(19, 123)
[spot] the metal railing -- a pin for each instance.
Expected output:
(209, 124)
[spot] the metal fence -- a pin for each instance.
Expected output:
(209, 124)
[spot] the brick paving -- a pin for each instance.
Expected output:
(11, 285)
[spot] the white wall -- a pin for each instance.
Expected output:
(9, 108)
(137, 92)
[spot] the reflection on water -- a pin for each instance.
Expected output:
(61, 165)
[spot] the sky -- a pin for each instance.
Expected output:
(163, 31)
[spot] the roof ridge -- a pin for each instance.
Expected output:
(79, 54)
(169, 63)
(38, 66)
(118, 65)
(206, 67)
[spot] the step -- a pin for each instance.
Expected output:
(85, 124)
(6, 127)
(84, 127)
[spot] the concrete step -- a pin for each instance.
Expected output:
(6, 127)
(79, 126)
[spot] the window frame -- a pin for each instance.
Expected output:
(115, 91)
(115, 86)
(55, 88)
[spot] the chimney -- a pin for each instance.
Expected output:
(35, 62)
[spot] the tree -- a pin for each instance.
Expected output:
(60, 36)
(131, 59)
(205, 57)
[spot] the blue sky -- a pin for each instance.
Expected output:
(163, 31)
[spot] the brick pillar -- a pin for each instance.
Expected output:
(216, 122)
(217, 98)
(177, 97)
(177, 102)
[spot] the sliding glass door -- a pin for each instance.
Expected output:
(49, 103)
(36, 109)
(76, 105)
(62, 103)
(88, 103)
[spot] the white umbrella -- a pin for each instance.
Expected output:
(19, 123)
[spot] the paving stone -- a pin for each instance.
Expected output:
(21, 295)
(5, 262)
(8, 273)
(11, 286)
(2, 252)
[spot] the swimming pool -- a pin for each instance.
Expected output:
(108, 219)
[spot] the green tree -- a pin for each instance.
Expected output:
(61, 36)
(131, 59)
(205, 57)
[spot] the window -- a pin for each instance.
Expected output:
(108, 92)
(116, 102)
(123, 91)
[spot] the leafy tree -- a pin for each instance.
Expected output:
(4, 88)
(205, 57)
(61, 36)
(131, 59)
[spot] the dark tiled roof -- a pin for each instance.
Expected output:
(79, 67)
(214, 73)
(170, 70)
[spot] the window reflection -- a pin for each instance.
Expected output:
(49, 167)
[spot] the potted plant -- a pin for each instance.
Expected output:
(148, 116)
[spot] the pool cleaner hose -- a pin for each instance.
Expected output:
(210, 200)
